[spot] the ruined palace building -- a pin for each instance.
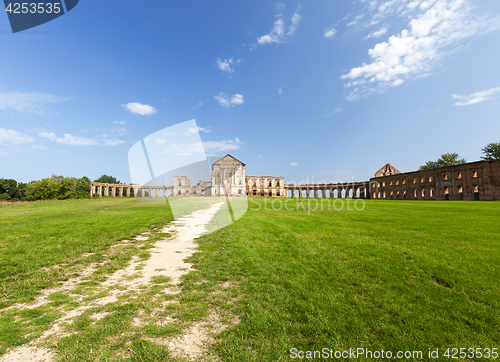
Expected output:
(470, 181)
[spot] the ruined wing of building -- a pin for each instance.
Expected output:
(470, 181)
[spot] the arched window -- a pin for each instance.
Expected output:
(262, 193)
(278, 194)
(179, 192)
(476, 192)
(415, 193)
(431, 193)
(423, 192)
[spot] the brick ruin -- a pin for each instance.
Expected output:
(470, 181)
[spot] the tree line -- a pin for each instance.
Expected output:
(50, 188)
(490, 153)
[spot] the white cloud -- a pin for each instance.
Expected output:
(278, 34)
(435, 29)
(27, 102)
(337, 110)
(295, 23)
(120, 131)
(330, 33)
(140, 109)
(259, 156)
(193, 130)
(280, 91)
(222, 146)
(71, 140)
(294, 164)
(197, 106)
(224, 100)
(377, 33)
(113, 142)
(120, 122)
(39, 147)
(352, 23)
(225, 65)
(14, 137)
(50, 135)
(476, 97)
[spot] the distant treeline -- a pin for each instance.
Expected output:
(50, 188)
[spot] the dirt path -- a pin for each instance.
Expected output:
(167, 259)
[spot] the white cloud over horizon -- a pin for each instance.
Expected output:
(26, 102)
(329, 34)
(72, 140)
(278, 34)
(193, 130)
(225, 65)
(197, 106)
(294, 164)
(436, 28)
(226, 101)
(477, 97)
(377, 33)
(222, 146)
(14, 137)
(140, 109)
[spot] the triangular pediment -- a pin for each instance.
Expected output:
(228, 158)
(387, 170)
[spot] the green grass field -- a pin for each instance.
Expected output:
(398, 276)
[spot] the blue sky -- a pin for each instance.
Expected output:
(320, 91)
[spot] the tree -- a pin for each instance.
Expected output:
(9, 189)
(447, 159)
(105, 179)
(45, 189)
(491, 152)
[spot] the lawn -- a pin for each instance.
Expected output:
(397, 276)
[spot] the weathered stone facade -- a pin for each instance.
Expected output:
(470, 181)
(182, 187)
(228, 177)
(265, 186)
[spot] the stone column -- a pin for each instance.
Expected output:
(157, 192)
(106, 191)
(113, 191)
(91, 190)
(120, 192)
(128, 191)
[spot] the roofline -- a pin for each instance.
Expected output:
(438, 169)
(232, 157)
